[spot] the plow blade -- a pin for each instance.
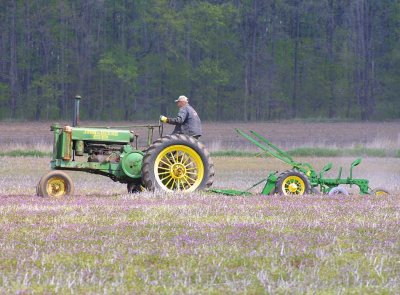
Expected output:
(230, 192)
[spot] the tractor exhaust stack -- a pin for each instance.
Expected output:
(75, 120)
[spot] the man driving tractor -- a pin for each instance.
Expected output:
(187, 121)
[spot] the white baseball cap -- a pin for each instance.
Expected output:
(182, 98)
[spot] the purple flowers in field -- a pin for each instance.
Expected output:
(199, 242)
(106, 241)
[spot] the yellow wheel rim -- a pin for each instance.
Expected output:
(381, 193)
(179, 167)
(293, 185)
(56, 187)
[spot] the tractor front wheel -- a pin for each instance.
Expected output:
(55, 184)
(134, 188)
(292, 182)
(38, 189)
(177, 163)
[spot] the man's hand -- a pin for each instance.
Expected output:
(163, 119)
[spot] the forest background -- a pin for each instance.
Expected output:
(249, 60)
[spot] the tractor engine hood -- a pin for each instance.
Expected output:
(100, 134)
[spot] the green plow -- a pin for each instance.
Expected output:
(230, 192)
(267, 188)
(302, 178)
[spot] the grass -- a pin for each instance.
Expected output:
(313, 152)
(199, 243)
(317, 139)
(298, 152)
(221, 136)
(104, 241)
(25, 153)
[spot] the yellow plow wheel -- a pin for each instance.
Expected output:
(293, 185)
(293, 182)
(380, 192)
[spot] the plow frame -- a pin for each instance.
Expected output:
(316, 179)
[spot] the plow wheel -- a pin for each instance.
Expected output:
(380, 192)
(55, 184)
(292, 182)
(177, 163)
(338, 190)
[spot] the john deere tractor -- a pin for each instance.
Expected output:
(170, 163)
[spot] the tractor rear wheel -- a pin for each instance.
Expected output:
(292, 182)
(177, 163)
(55, 184)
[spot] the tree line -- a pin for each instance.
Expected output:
(235, 60)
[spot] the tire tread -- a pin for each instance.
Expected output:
(147, 178)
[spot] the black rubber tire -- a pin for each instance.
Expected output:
(148, 176)
(288, 173)
(69, 185)
(134, 187)
(38, 189)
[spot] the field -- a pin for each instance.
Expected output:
(221, 136)
(106, 241)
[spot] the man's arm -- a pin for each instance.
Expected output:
(180, 118)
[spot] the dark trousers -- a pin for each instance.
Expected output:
(195, 136)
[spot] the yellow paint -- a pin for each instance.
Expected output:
(380, 193)
(179, 167)
(293, 185)
(56, 187)
(100, 134)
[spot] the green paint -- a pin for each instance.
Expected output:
(102, 135)
(316, 179)
(71, 143)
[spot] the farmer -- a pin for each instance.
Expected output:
(187, 121)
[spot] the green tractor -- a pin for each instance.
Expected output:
(170, 163)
